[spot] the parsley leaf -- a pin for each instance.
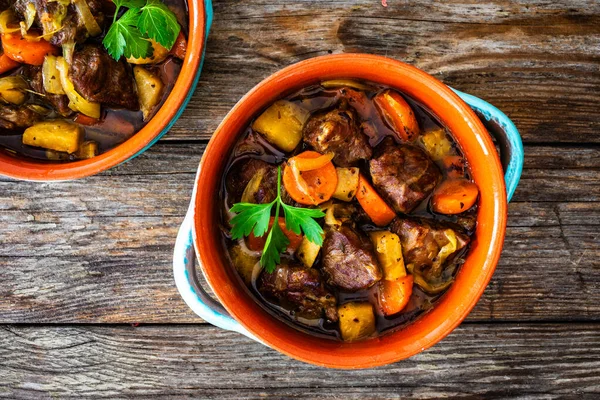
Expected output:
(255, 218)
(303, 218)
(275, 244)
(124, 39)
(145, 19)
(159, 23)
(251, 217)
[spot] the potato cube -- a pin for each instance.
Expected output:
(56, 135)
(437, 144)
(88, 149)
(357, 320)
(12, 89)
(389, 254)
(307, 252)
(149, 88)
(347, 183)
(281, 124)
(57, 155)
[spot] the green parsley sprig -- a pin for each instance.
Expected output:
(145, 19)
(255, 218)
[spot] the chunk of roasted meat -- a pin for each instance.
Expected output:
(101, 79)
(61, 20)
(253, 181)
(34, 75)
(301, 290)
(403, 174)
(349, 260)
(338, 131)
(426, 245)
(13, 118)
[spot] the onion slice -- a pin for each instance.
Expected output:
(51, 76)
(76, 101)
(87, 17)
(8, 22)
(309, 164)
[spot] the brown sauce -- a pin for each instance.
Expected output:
(252, 145)
(116, 125)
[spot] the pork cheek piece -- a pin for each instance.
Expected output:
(17, 118)
(338, 131)
(403, 174)
(421, 243)
(301, 290)
(72, 27)
(99, 78)
(242, 172)
(349, 260)
(58, 101)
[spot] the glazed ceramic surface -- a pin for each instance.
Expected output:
(241, 313)
(200, 19)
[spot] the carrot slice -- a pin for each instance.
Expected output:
(7, 63)
(180, 46)
(398, 113)
(454, 166)
(258, 243)
(27, 50)
(309, 164)
(454, 196)
(85, 120)
(395, 295)
(313, 186)
(375, 207)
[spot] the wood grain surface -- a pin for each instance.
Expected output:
(81, 261)
(536, 60)
(501, 361)
(104, 255)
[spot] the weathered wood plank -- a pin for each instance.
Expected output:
(500, 361)
(539, 61)
(160, 182)
(118, 269)
(99, 249)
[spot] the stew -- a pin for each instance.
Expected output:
(68, 89)
(347, 209)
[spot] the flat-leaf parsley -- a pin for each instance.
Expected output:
(145, 19)
(255, 218)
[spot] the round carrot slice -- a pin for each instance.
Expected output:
(7, 63)
(28, 50)
(454, 196)
(310, 187)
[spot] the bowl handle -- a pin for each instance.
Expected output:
(507, 137)
(191, 291)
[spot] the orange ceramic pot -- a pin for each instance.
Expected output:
(200, 16)
(242, 313)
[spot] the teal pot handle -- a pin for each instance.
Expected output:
(506, 135)
(189, 287)
(511, 149)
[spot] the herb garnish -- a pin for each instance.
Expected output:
(255, 218)
(144, 19)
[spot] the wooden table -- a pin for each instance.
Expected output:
(88, 305)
